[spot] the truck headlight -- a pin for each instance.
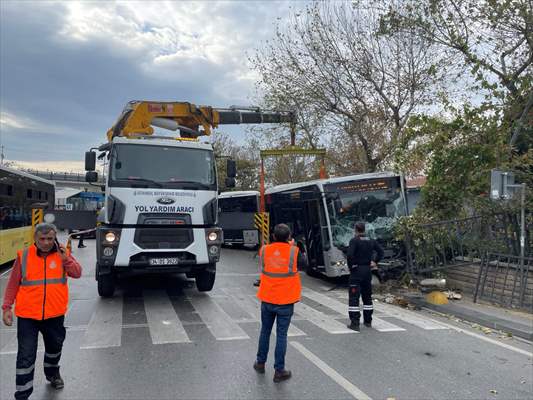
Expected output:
(213, 250)
(213, 236)
(110, 237)
(108, 251)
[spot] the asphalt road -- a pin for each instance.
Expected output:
(159, 338)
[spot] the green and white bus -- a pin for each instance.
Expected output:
(322, 214)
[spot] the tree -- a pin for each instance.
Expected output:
(335, 61)
(247, 163)
(494, 38)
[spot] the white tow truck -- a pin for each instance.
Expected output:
(160, 211)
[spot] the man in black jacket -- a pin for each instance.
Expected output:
(363, 255)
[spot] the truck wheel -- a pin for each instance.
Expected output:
(106, 285)
(205, 280)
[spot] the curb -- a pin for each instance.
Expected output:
(489, 321)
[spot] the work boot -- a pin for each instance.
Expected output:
(257, 282)
(282, 375)
(354, 326)
(368, 324)
(56, 381)
(82, 246)
(259, 367)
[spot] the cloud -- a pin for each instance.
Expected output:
(68, 68)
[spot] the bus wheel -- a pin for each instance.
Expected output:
(312, 272)
(205, 280)
(106, 285)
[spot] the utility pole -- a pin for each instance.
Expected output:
(2, 155)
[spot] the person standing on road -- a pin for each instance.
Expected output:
(80, 241)
(363, 255)
(38, 287)
(279, 289)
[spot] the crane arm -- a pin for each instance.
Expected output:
(139, 117)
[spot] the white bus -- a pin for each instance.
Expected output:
(322, 214)
(236, 211)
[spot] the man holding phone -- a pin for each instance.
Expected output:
(38, 287)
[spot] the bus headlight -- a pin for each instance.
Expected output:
(338, 263)
(110, 237)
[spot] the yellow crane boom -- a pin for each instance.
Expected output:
(139, 117)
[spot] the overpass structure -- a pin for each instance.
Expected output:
(73, 180)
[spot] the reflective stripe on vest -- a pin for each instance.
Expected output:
(26, 282)
(290, 272)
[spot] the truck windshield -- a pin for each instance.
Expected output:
(162, 167)
(379, 209)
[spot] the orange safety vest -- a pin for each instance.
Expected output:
(43, 290)
(280, 281)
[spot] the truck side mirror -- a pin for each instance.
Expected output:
(90, 161)
(230, 182)
(231, 169)
(91, 176)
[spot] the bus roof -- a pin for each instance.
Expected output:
(26, 174)
(319, 182)
(238, 193)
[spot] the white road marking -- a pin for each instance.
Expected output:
(322, 320)
(485, 338)
(354, 391)
(163, 322)
(11, 346)
(342, 308)
(105, 328)
(405, 315)
(252, 306)
(216, 319)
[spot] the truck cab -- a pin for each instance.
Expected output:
(160, 211)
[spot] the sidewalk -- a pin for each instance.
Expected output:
(518, 323)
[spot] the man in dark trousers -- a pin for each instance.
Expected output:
(280, 288)
(38, 287)
(363, 255)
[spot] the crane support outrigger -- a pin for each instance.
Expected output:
(161, 191)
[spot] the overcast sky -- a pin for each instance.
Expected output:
(68, 68)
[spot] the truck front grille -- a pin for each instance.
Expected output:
(163, 238)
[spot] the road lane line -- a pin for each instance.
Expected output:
(322, 320)
(105, 327)
(342, 308)
(216, 319)
(250, 304)
(11, 346)
(334, 375)
(407, 316)
(486, 339)
(163, 322)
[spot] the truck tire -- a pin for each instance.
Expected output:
(205, 280)
(106, 285)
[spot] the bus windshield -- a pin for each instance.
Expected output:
(378, 206)
(162, 167)
(245, 204)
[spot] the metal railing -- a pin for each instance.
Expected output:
(446, 244)
(503, 279)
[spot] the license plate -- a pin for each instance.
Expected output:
(164, 261)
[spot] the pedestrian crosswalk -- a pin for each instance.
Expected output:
(225, 313)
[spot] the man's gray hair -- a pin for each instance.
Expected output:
(45, 227)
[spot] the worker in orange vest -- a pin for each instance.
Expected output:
(38, 286)
(279, 289)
